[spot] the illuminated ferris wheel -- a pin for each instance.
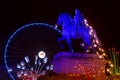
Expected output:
(29, 40)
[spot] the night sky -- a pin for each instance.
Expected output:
(103, 16)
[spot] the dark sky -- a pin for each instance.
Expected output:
(102, 15)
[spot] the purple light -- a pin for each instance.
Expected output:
(27, 59)
(18, 66)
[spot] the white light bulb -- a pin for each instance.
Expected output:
(23, 67)
(18, 66)
(27, 59)
(100, 56)
(56, 26)
(41, 54)
(10, 70)
(22, 63)
(19, 75)
(45, 60)
(95, 45)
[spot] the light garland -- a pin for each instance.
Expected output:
(94, 68)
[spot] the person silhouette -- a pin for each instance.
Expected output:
(78, 18)
(78, 21)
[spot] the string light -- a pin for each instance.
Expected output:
(111, 65)
(90, 27)
(104, 54)
(100, 56)
(82, 44)
(108, 70)
(91, 69)
(97, 41)
(95, 45)
(97, 52)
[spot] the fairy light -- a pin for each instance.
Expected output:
(56, 26)
(94, 35)
(10, 70)
(25, 74)
(22, 63)
(82, 44)
(32, 69)
(97, 52)
(51, 67)
(97, 41)
(95, 45)
(85, 20)
(23, 67)
(36, 58)
(27, 59)
(100, 56)
(102, 50)
(94, 75)
(90, 27)
(19, 75)
(104, 54)
(111, 65)
(18, 66)
(108, 70)
(87, 51)
(45, 60)
(99, 49)
(109, 62)
(90, 69)
(90, 33)
(93, 41)
(91, 30)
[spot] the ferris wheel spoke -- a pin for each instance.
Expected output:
(27, 41)
(37, 33)
(17, 43)
(28, 37)
(31, 35)
(43, 34)
(20, 36)
(12, 49)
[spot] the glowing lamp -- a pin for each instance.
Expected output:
(111, 65)
(95, 45)
(90, 27)
(82, 44)
(56, 26)
(10, 70)
(108, 70)
(97, 52)
(41, 54)
(104, 54)
(100, 56)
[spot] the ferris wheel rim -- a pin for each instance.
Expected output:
(13, 35)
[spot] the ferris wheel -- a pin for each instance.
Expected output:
(29, 40)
